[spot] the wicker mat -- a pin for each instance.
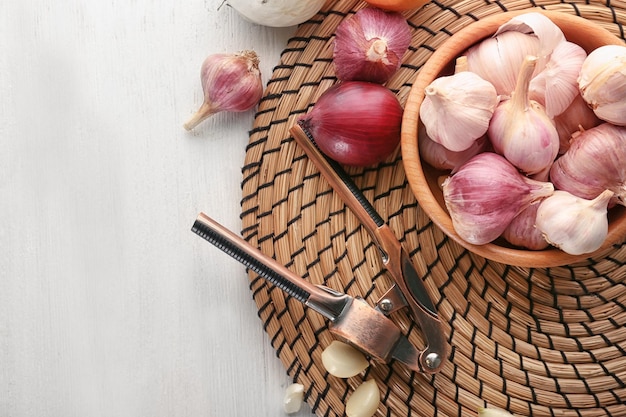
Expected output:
(538, 342)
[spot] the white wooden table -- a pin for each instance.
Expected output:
(109, 304)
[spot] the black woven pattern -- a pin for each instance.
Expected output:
(539, 342)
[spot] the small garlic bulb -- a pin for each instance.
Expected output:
(523, 232)
(485, 194)
(602, 83)
(573, 224)
(437, 156)
(521, 130)
(577, 117)
(457, 108)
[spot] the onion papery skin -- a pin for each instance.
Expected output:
(369, 45)
(595, 161)
(356, 123)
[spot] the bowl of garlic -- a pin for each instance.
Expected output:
(514, 138)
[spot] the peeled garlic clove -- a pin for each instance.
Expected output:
(294, 395)
(602, 83)
(493, 412)
(594, 163)
(498, 59)
(521, 130)
(364, 400)
(342, 360)
(485, 194)
(573, 224)
(456, 109)
(556, 86)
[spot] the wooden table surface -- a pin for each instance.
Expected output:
(109, 304)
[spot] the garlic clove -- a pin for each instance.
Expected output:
(573, 224)
(370, 44)
(602, 83)
(457, 109)
(485, 194)
(521, 130)
(294, 396)
(342, 360)
(230, 82)
(364, 400)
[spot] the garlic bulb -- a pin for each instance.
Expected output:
(364, 400)
(342, 360)
(523, 232)
(485, 194)
(602, 83)
(437, 156)
(556, 86)
(573, 224)
(594, 162)
(498, 59)
(578, 116)
(456, 109)
(521, 130)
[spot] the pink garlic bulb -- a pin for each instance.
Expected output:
(485, 194)
(230, 82)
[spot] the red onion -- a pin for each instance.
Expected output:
(369, 45)
(355, 123)
(595, 161)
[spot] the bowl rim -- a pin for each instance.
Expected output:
(452, 47)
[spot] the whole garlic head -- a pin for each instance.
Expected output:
(277, 13)
(602, 83)
(573, 224)
(457, 109)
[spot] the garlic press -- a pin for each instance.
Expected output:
(351, 319)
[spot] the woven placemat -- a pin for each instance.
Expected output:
(538, 342)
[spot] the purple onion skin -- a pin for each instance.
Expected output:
(356, 123)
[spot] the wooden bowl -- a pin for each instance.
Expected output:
(423, 179)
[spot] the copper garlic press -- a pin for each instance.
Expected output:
(351, 319)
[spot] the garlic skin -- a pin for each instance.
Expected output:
(498, 59)
(230, 82)
(369, 45)
(594, 162)
(342, 360)
(521, 130)
(364, 400)
(294, 396)
(556, 86)
(457, 109)
(485, 194)
(602, 83)
(573, 224)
